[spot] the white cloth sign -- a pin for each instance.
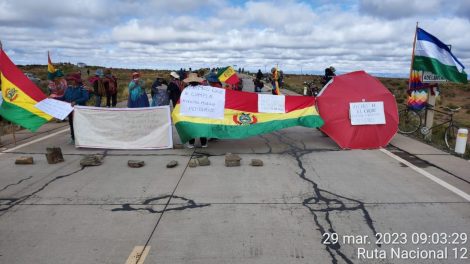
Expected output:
(268, 103)
(123, 128)
(367, 113)
(203, 101)
(55, 108)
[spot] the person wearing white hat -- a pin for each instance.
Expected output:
(174, 88)
(194, 80)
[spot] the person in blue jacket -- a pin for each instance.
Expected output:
(75, 94)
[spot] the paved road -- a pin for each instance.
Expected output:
(307, 191)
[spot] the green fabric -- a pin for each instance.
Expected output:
(189, 130)
(20, 116)
(450, 73)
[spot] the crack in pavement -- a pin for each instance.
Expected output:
(13, 184)
(189, 204)
(338, 203)
(25, 197)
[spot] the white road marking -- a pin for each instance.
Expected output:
(429, 176)
(135, 255)
(34, 141)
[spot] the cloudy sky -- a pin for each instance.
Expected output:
(374, 35)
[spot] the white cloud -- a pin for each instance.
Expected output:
(373, 35)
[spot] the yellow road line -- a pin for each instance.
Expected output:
(135, 257)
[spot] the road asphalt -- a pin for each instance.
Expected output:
(310, 203)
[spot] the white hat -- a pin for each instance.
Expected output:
(174, 74)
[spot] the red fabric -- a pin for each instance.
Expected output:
(16, 76)
(333, 105)
(247, 101)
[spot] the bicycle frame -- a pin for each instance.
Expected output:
(450, 121)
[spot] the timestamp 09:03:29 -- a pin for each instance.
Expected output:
(416, 238)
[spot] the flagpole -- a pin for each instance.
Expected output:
(413, 56)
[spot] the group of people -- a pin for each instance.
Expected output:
(72, 89)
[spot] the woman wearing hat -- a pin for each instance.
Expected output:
(194, 80)
(175, 87)
(137, 95)
(75, 94)
(57, 85)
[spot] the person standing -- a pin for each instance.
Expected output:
(110, 86)
(194, 80)
(137, 96)
(174, 88)
(329, 74)
(159, 96)
(98, 86)
(57, 85)
(275, 81)
(259, 75)
(75, 94)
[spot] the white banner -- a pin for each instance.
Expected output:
(268, 103)
(367, 113)
(123, 128)
(203, 101)
(55, 108)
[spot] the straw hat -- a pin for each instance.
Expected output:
(192, 77)
(175, 75)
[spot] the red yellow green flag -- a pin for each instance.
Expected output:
(276, 89)
(20, 96)
(242, 118)
(228, 75)
(51, 70)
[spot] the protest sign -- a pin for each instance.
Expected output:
(123, 128)
(367, 113)
(55, 108)
(268, 103)
(203, 101)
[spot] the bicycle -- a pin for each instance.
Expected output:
(310, 89)
(410, 121)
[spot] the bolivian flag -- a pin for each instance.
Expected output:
(19, 97)
(51, 70)
(228, 75)
(242, 119)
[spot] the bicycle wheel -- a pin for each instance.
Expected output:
(451, 136)
(409, 121)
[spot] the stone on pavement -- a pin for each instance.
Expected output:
(232, 160)
(256, 163)
(135, 163)
(54, 155)
(203, 161)
(193, 163)
(172, 164)
(24, 160)
(91, 160)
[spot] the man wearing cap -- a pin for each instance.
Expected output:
(75, 94)
(98, 86)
